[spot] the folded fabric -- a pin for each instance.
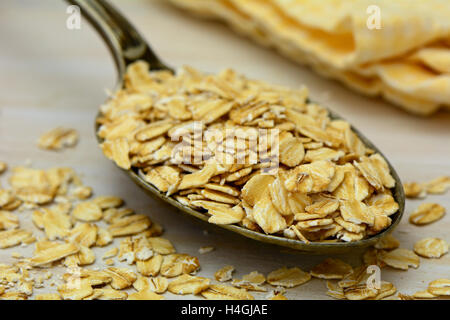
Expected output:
(407, 61)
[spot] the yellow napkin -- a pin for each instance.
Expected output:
(407, 60)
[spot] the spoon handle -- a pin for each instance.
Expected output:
(123, 40)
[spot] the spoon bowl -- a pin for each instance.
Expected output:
(127, 46)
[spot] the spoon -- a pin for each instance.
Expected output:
(127, 46)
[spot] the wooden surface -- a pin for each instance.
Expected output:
(53, 76)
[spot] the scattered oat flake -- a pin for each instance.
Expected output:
(122, 278)
(16, 255)
(205, 249)
(109, 262)
(249, 286)
(360, 292)
(13, 295)
(278, 296)
(25, 287)
(129, 225)
(440, 287)
(439, 185)
(6, 197)
(423, 295)
(58, 138)
(224, 274)
(110, 253)
(56, 221)
(288, 277)
(82, 192)
(427, 213)
(8, 220)
(387, 243)
(77, 289)
(84, 234)
(431, 247)
(87, 211)
(187, 284)
(387, 289)
(48, 296)
(103, 237)
(161, 245)
(96, 294)
(95, 277)
(155, 284)
(106, 202)
(400, 259)
(54, 253)
(372, 256)
(176, 264)
(404, 297)
(254, 277)
(414, 190)
(150, 267)
(146, 294)
(334, 290)
(331, 269)
(109, 293)
(224, 292)
(14, 237)
(251, 281)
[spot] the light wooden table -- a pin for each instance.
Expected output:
(53, 76)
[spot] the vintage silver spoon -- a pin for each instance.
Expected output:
(127, 46)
